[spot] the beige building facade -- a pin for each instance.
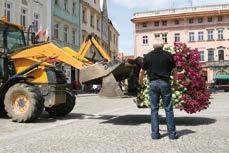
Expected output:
(113, 41)
(94, 20)
(25, 12)
(91, 22)
(205, 28)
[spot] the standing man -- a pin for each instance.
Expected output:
(159, 65)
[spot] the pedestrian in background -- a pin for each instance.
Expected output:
(159, 65)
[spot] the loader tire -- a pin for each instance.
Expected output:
(63, 109)
(24, 102)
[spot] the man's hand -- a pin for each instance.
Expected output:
(141, 77)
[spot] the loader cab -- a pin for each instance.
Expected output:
(11, 38)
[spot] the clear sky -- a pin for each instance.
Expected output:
(121, 12)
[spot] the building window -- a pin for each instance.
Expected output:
(144, 25)
(98, 24)
(200, 20)
(57, 2)
(210, 34)
(210, 19)
(156, 24)
(177, 22)
(23, 17)
(92, 20)
(191, 36)
(8, 11)
(177, 37)
(66, 34)
(24, 2)
(201, 56)
(210, 55)
(83, 37)
(37, 21)
(191, 20)
(84, 14)
(66, 5)
(220, 34)
(220, 18)
(164, 23)
(200, 36)
(157, 35)
(56, 31)
(145, 40)
(74, 8)
(221, 55)
(114, 38)
(164, 37)
(74, 37)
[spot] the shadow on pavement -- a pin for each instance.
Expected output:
(46, 118)
(141, 119)
(127, 119)
(180, 133)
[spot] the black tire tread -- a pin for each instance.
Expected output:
(36, 103)
(63, 109)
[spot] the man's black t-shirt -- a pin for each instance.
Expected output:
(158, 64)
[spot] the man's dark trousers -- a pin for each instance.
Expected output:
(161, 88)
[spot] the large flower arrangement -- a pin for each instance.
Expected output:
(191, 94)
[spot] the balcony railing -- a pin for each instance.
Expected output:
(222, 63)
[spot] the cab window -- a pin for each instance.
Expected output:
(15, 39)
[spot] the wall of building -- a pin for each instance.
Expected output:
(25, 12)
(66, 18)
(113, 41)
(91, 22)
(198, 24)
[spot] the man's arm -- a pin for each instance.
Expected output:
(141, 76)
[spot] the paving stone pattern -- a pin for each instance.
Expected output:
(100, 125)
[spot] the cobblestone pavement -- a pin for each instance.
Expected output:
(99, 125)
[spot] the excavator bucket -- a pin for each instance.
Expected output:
(110, 87)
(108, 74)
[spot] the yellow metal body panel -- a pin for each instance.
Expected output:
(101, 50)
(77, 56)
(39, 74)
(47, 50)
(87, 45)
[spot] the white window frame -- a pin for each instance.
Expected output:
(37, 20)
(202, 56)
(11, 10)
(145, 40)
(24, 17)
(74, 8)
(200, 36)
(210, 34)
(165, 37)
(92, 20)
(66, 29)
(177, 37)
(220, 34)
(191, 36)
(74, 31)
(66, 5)
(56, 31)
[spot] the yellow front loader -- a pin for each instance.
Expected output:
(107, 72)
(29, 84)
